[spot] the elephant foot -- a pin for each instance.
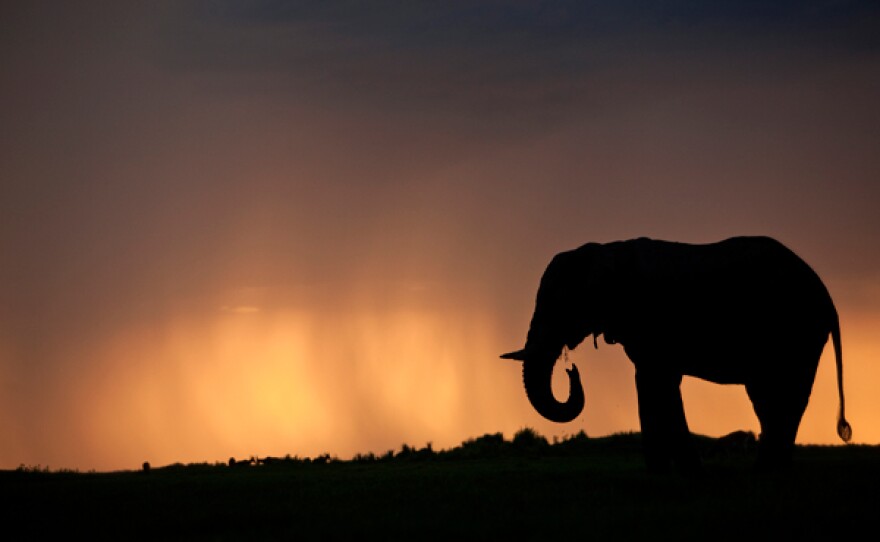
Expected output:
(658, 465)
(773, 463)
(774, 457)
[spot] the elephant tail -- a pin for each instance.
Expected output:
(844, 430)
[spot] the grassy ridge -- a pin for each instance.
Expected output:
(595, 489)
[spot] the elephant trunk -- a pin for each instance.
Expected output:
(537, 376)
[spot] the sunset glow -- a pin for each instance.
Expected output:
(251, 230)
(258, 384)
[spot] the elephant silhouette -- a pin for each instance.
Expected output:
(746, 310)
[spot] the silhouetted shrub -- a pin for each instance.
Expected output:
(528, 442)
(368, 457)
(737, 443)
(578, 443)
(487, 446)
(323, 459)
(240, 462)
(412, 453)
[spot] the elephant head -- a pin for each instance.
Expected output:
(568, 308)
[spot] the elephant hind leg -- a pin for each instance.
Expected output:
(666, 438)
(779, 405)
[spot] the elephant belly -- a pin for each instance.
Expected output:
(717, 373)
(702, 360)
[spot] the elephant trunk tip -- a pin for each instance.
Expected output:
(537, 376)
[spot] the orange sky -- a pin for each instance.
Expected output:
(264, 230)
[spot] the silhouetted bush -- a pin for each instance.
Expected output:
(241, 462)
(528, 442)
(737, 443)
(486, 447)
(410, 453)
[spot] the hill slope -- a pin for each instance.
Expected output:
(488, 487)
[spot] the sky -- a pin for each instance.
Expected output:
(267, 228)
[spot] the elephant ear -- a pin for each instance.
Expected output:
(592, 287)
(618, 272)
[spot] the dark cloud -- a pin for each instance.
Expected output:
(435, 23)
(547, 27)
(495, 58)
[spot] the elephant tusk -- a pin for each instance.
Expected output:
(519, 355)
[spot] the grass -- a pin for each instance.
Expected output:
(487, 488)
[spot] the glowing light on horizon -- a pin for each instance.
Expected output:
(259, 383)
(240, 309)
(304, 383)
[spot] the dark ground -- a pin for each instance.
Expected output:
(488, 488)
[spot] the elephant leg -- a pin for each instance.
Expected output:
(666, 438)
(780, 404)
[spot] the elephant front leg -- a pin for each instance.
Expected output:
(666, 438)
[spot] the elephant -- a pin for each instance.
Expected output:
(745, 310)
